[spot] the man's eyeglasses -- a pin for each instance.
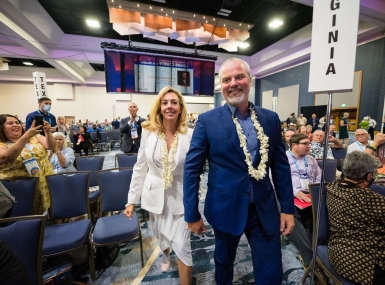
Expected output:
(360, 135)
(305, 143)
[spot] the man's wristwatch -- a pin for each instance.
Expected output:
(57, 152)
(372, 147)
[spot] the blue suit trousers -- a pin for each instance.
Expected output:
(265, 251)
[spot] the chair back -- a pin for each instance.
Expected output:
(93, 136)
(69, 194)
(103, 137)
(92, 164)
(126, 159)
(330, 169)
(339, 153)
(114, 136)
(23, 189)
(324, 223)
(24, 235)
(114, 185)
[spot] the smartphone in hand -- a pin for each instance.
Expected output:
(38, 120)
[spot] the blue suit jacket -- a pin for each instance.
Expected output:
(229, 184)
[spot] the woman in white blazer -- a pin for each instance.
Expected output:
(158, 178)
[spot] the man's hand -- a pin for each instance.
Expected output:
(303, 197)
(287, 224)
(197, 227)
(379, 139)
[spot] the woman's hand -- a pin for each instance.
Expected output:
(129, 211)
(46, 126)
(32, 131)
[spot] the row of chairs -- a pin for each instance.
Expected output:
(69, 198)
(108, 139)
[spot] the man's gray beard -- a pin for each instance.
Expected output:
(234, 101)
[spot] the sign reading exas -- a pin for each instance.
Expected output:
(334, 44)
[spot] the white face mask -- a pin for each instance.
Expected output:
(47, 108)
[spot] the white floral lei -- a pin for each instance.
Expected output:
(259, 173)
(168, 159)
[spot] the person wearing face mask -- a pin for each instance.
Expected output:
(357, 215)
(44, 108)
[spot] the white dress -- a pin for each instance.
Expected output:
(168, 228)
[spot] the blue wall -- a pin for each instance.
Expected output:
(370, 59)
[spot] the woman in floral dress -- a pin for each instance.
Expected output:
(21, 150)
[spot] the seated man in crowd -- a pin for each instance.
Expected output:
(287, 137)
(332, 131)
(304, 170)
(317, 147)
(362, 140)
(357, 215)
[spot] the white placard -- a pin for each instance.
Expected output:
(275, 104)
(334, 44)
(40, 84)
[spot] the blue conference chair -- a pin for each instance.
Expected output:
(23, 189)
(114, 137)
(126, 159)
(92, 164)
(339, 153)
(323, 236)
(114, 186)
(24, 236)
(103, 141)
(330, 169)
(69, 198)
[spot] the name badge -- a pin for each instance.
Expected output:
(31, 166)
(304, 181)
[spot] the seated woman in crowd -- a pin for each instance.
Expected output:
(301, 130)
(357, 219)
(83, 141)
(309, 134)
(62, 158)
(24, 154)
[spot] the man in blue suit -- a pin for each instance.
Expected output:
(241, 142)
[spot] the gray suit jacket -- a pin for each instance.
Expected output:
(125, 129)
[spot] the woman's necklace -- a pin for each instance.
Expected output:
(168, 159)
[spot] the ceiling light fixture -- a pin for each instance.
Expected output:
(244, 45)
(27, 63)
(160, 1)
(93, 23)
(185, 27)
(275, 24)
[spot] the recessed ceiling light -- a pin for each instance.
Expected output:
(150, 7)
(243, 45)
(275, 24)
(194, 15)
(161, 9)
(27, 63)
(112, 1)
(203, 17)
(173, 12)
(166, 15)
(93, 23)
(120, 6)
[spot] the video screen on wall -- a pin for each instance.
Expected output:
(138, 73)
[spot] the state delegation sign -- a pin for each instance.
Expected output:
(334, 45)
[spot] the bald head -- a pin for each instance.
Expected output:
(133, 109)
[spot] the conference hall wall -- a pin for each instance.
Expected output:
(86, 102)
(370, 59)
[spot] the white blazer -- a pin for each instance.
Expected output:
(147, 180)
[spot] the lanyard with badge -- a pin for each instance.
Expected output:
(303, 178)
(30, 163)
(359, 145)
